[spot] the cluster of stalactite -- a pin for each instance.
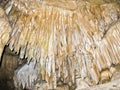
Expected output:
(5, 30)
(65, 38)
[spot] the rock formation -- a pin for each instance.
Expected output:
(65, 39)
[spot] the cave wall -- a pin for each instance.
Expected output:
(9, 62)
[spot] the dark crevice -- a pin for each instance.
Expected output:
(7, 68)
(2, 57)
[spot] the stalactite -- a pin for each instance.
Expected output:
(5, 30)
(63, 37)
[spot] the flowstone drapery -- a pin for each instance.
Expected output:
(66, 39)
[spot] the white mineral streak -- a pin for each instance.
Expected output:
(26, 75)
(65, 38)
(9, 8)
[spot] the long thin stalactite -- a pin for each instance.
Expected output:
(66, 41)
